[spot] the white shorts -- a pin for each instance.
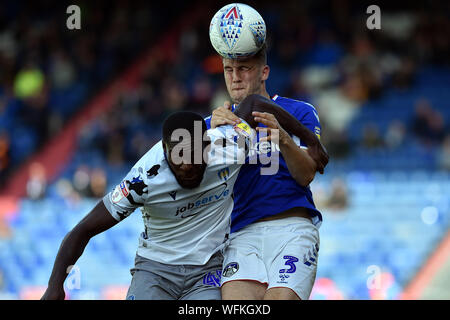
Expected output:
(278, 253)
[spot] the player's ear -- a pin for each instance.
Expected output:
(265, 72)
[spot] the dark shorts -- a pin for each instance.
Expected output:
(153, 280)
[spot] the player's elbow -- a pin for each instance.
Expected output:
(80, 232)
(305, 179)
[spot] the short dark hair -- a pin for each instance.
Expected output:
(181, 120)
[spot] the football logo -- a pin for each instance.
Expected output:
(173, 194)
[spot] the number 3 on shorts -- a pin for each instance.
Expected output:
(289, 262)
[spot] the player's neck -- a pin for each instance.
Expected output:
(265, 94)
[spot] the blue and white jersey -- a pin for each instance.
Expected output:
(182, 226)
(258, 196)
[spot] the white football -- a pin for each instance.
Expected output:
(237, 30)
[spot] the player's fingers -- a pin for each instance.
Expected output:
(225, 115)
(265, 134)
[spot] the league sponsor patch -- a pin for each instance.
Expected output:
(153, 171)
(243, 129)
(224, 173)
(212, 278)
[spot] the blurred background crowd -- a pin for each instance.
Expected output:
(382, 97)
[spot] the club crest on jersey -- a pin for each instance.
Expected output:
(230, 26)
(223, 174)
(230, 269)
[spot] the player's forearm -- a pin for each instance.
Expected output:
(300, 165)
(97, 221)
(69, 252)
(286, 120)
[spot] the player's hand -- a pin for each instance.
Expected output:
(274, 130)
(54, 294)
(318, 152)
(223, 115)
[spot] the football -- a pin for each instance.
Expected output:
(237, 30)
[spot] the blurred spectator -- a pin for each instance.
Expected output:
(62, 70)
(335, 107)
(4, 153)
(2, 281)
(220, 96)
(338, 199)
(296, 88)
(66, 191)
(202, 92)
(37, 182)
(175, 95)
(89, 183)
(403, 77)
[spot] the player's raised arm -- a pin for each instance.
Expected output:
(72, 246)
(259, 103)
